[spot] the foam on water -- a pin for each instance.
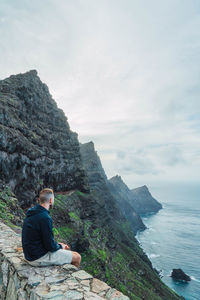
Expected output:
(193, 278)
(153, 255)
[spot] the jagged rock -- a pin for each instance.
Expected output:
(37, 147)
(92, 164)
(143, 201)
(140, 198)
(98, 181)
(178, 274)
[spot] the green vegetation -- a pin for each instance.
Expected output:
(87, 225)
(55, 232)
(91, 262)
(10, 212)
(41, 181)
(74, 216)
(122, 288)
(59, 200)
(126, 227)
(64, 233)
(102, 255)
(96, 232)
(79, 193)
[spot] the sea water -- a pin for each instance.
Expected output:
(172, 237)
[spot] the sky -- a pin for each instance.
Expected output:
(125, 72)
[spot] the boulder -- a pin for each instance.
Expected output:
(178, 274)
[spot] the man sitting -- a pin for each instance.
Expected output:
(39, 246)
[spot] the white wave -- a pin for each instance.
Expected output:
(151, 229)
(154, 243)
(153, 255)
(194, 278)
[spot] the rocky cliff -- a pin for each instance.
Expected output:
(92, 165)
(37, 147)
(140, 198)
(98, 181)
(143, 201)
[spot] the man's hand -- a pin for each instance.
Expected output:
(64, 246)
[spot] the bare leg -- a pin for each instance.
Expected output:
(76, 259)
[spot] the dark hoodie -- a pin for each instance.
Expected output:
(37, 234)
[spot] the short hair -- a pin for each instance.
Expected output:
(45, 195)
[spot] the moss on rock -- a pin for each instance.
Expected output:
(10, 211)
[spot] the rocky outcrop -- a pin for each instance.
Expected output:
(92, 165)
(37, 147)
(140, 198)
(179, 275)
(98, 181)
(127, 209)
(143, 201)
(20, 281)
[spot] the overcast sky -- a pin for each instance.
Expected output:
(125, 72)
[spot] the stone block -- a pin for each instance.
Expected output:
(98, 286)
(82, 275)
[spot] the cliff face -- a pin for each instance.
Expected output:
(98, 181)
(140, 198)
(37, 147)
(143, 201)
(92, 165)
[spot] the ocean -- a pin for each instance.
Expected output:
(172, 237)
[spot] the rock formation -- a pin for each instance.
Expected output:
(179, 275)
(98, 181)
(140, 198)
(37, 147)
(143, 202)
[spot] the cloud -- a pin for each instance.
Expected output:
(125, 74)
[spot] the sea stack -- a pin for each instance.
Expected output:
(178, 274)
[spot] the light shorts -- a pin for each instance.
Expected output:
(59, 257)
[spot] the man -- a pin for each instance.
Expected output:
(39, 246)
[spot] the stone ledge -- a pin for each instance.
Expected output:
(20, 281)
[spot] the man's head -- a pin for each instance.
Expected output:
(46, 197)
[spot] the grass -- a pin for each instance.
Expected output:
(64, 232)
(91, 262)
(102, 255)
(79, 193)
(74, 216)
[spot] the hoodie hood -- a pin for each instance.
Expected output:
(37, 209)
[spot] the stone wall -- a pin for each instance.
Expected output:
(20, 281)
